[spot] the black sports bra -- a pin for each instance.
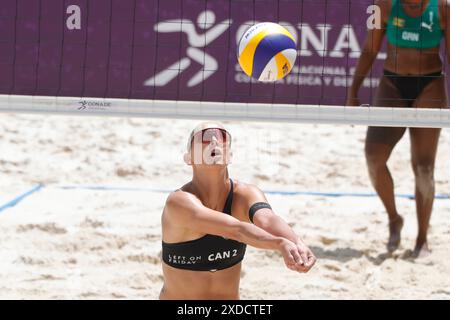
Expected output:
(208, 253)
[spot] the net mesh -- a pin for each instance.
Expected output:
(162, 58)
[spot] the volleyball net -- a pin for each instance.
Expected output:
(177, 59)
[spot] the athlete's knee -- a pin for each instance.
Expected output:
(424, 170)
(375, 163)
(374, 158)
(424, 173)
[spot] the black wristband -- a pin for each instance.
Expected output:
(255, 207)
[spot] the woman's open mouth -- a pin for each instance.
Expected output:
(216, 152)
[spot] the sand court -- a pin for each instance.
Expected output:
(93, 230)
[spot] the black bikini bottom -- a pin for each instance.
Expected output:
(410, 87)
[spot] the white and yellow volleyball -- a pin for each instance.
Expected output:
(267, 52)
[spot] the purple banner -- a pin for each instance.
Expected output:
(177, 49)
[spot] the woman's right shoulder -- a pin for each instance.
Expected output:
(179, 206)
(383, 3)
(179, 193)
(177, 196)
(385, 7)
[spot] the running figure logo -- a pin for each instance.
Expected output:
(205, 20)
(429, 26)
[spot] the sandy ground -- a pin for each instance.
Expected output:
(81, 243)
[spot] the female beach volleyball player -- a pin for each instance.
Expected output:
(412, 78)
(208, 222)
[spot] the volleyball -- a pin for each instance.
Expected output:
(267, 52)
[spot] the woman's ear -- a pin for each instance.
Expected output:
(187, 158)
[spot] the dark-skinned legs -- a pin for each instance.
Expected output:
(380, 142)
